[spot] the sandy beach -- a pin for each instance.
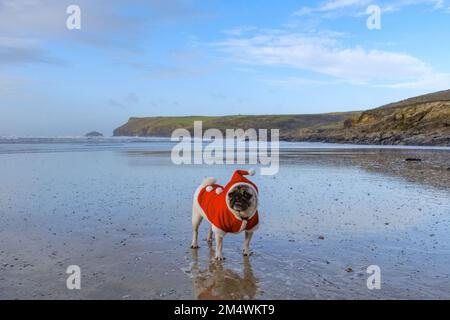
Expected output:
(122, 212)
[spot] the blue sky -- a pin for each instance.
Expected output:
(148, 58)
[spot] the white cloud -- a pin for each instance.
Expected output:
(439, 4)
(432, 81)
(393, 6)
(29, 27)
(239, 31)
(297, 82)
(331, 6)
(327, 56)
(389, 6)
(104, 23)
(339, 4)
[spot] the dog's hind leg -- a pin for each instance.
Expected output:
(210, 235)
(196, 220)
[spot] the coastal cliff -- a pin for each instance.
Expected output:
(420, 124)
(422, 120)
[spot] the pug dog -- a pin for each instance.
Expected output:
(229, 209)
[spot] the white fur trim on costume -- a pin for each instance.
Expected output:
(251, 172)
(219, 190)
(231, 209)
(209, 188)
(208, 181)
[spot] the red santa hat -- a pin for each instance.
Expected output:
(239, 178)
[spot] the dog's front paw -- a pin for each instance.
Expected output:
(194, 246)
(247, 253)
(220, 257)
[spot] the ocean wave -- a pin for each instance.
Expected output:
(77, 139)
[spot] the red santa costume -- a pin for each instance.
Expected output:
(210, 200)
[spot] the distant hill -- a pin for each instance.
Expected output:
(163, 126)
(422, 120)
(426, 98)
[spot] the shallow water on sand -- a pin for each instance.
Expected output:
(121, 211)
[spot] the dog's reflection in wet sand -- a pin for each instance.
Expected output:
(216, 282)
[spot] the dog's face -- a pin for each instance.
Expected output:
(243, 200)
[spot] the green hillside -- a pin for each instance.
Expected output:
(422, 120)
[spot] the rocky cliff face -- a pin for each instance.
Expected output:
(419, 124)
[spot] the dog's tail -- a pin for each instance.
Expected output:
(208, 181)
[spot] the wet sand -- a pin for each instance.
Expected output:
(122, 213)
